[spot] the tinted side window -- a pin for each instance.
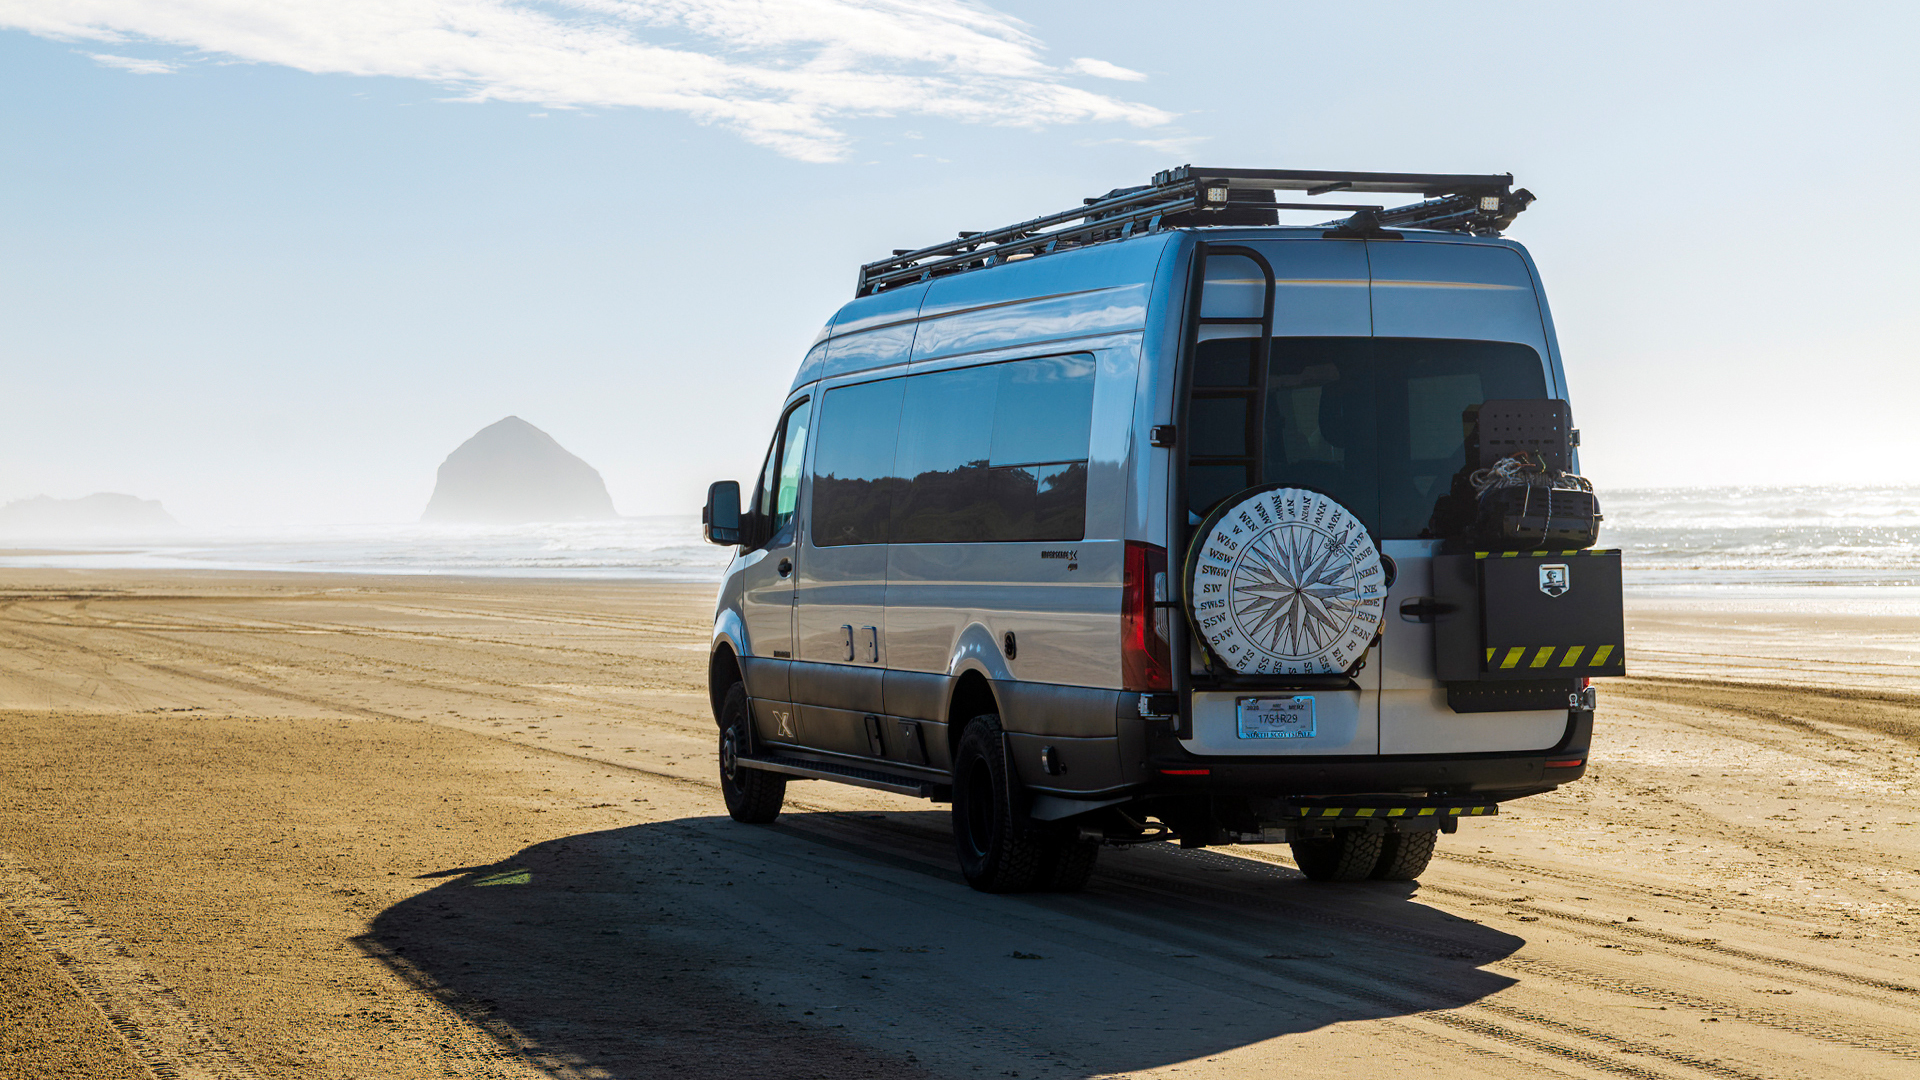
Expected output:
(996, 453)
(853, 468)
(793, 456)
(946, 436)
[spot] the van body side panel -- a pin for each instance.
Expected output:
(1048, 319)
(879, 348)
(1111, 446)
(840, 590)
(1150, 467)
(1070, 294)
(1088, 767)
(1060, 598)
(1063, 613)
(815, 364)
(873, 331)
(1078, 723)
(922, 696)
(1067, 712)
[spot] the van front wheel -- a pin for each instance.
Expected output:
(753, 796)
(999, 850)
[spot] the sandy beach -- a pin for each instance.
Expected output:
(322, 825)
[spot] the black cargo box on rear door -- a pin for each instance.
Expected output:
(1528, 615)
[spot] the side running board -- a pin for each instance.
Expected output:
(850, 774)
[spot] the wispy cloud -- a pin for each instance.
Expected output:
(1100, 69)
(786, 74)
(133, 64)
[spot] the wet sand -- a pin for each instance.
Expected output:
(330, 826)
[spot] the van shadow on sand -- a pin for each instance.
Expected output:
(846, 945)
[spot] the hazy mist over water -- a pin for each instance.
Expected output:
(1747, 537)
(1718, 541)
(648, 549)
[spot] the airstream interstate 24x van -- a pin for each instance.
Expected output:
(1157, 520)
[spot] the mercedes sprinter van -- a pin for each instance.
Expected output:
(1156, 520)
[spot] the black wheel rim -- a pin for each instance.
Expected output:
(729, 756)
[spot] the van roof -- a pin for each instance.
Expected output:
(1187, 196)
(1082, 291)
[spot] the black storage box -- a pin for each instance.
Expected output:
(1528, 615)
(1533, 515)
(1504, 427)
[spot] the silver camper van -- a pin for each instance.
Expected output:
(1155, 520)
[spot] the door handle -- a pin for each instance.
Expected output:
(1425, 609)
(785, 567)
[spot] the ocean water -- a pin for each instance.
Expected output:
(1835, 542)
(1766, 539)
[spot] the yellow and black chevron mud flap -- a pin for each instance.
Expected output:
(1415, 815)
(1532, 615)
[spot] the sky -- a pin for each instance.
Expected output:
(270, 261)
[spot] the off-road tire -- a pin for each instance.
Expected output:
(999, 849)
(753, 796)
(1345, 855)
(1069, 865)
(1404, 855)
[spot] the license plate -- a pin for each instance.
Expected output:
(1276, 717)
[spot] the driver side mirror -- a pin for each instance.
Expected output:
(720, 520)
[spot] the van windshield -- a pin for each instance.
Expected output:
(1374, 423)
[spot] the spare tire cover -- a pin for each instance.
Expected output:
(1285, 581)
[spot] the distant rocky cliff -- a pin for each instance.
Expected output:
(513, 472)
(100, 513)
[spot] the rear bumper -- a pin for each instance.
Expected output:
(1171, 770)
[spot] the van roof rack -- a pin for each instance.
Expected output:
(1190, 196)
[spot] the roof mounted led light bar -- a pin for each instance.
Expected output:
(1190, 196)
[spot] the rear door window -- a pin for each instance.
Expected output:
(1375, 423)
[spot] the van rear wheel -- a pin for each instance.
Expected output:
(1070, 865)
(1000, 851)
(1342, 855)
(1404, 856)
(753, 796)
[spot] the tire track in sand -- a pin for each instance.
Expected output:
(146, 1014)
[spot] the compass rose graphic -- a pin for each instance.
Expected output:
(1293, 591)
(1286, 581)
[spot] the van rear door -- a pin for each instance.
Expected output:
(1480, 306)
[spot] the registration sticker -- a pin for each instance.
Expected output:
(1276, 717)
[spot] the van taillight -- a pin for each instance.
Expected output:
(1144, 663)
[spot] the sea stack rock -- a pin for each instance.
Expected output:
(99, 513)
(512, 472)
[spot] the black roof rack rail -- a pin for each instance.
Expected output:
(1190, 195)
